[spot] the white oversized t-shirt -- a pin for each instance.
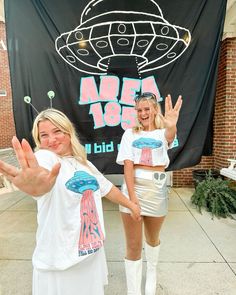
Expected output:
(70, 216)
(148, 148)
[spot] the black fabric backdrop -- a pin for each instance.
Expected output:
(122, 31)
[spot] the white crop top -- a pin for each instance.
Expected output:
(148, 148)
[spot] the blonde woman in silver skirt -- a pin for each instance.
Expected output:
(143, 152)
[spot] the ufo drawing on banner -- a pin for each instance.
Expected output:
(111, 29)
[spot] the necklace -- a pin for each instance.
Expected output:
(73, 162)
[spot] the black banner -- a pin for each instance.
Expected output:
(90, 58)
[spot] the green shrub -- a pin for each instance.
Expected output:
(216, 196)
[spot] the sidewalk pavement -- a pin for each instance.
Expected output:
(198, 254)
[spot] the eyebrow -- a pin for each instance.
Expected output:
(54, 129)
(148, 107)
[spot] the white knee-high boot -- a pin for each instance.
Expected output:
(152, 254)
(133, 271)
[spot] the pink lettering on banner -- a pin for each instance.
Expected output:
(112, 112)
(110, 117)
(128, 117)
(97, 113)
(88, 91)
(109, 88)
(129, 89)
(149, 85)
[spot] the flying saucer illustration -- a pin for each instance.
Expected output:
(146, 145)
(91, 235)
(82, 181)
(109, 29)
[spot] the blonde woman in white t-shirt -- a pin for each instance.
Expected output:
(143, 152)
(69, 257)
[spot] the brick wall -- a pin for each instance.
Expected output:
(224, 142)
(183, 177)
(7, 126)
(224, 119)
(225, 108)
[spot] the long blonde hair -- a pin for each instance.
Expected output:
(150, 97)
(61, 121)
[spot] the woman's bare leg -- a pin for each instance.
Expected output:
(133, 235)
(152, 228)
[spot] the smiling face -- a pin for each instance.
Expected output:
(54, 139)
(146, 113)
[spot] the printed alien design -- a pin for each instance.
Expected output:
(91, 235)
(146, 145)
(109, 30)
(159, 178)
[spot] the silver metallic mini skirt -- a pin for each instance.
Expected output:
(151, 190)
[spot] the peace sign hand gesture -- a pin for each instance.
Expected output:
(171, 113)
(31, 178)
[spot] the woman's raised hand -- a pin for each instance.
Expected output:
(30, 178)
(171, 115)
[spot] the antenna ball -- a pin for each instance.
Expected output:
(27, 99)
(51, 94)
